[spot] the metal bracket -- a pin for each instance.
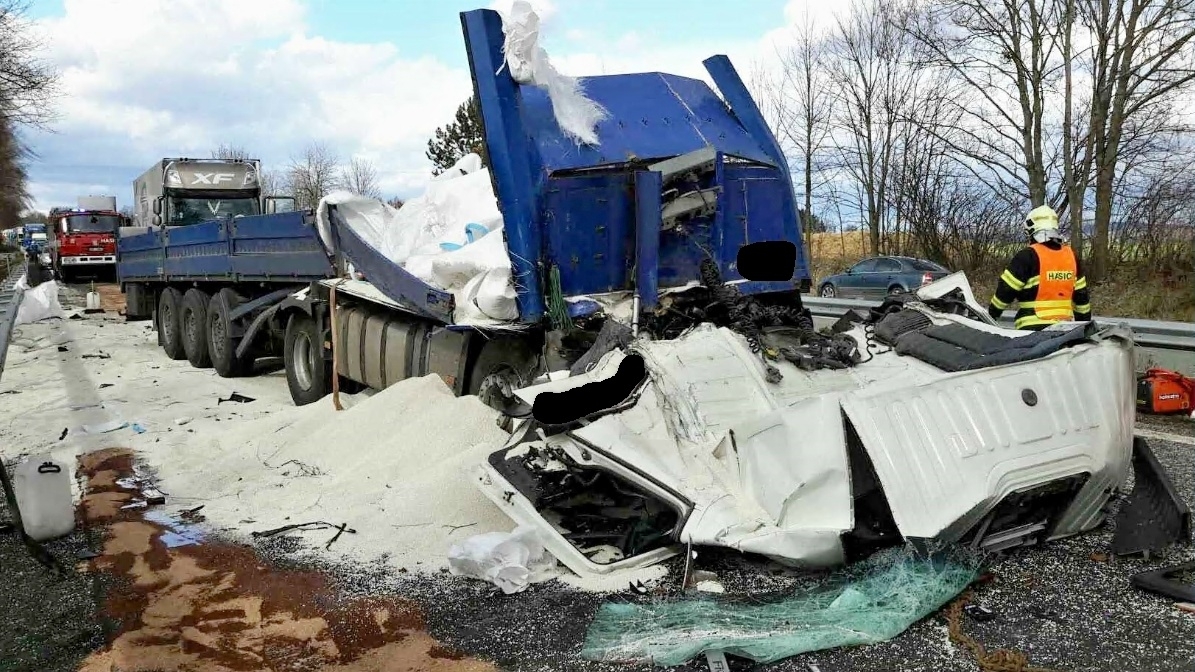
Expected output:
(697, 161)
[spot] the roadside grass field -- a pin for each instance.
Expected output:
(1133, 289)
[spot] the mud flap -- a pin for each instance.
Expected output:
(1154, 516)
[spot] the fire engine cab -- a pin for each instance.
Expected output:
(84, 237)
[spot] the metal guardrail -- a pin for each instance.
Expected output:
(10, 301)
(1150, 334)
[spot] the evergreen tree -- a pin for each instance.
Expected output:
(464, 135)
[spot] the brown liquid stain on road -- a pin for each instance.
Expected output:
(217, 607)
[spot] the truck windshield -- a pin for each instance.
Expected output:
(91, 223)
(185, 211)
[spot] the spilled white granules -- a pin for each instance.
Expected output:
(398, 467)
(395, 466)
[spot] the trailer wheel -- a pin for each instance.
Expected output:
(169, 325)
(308, 373)
(193, 321)
(502, 366)
(221, 345)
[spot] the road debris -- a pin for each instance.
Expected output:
(236, 397)
(509, 560)
(306, 527)
(863, 604)
(1000, 660)
(1176, 582)
(105, 427)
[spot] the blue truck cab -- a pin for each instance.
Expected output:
(680, 178)
(34, 239)
(680, 175)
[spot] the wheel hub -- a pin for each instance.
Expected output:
(302, 355)
(498, 388)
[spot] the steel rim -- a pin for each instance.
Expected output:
(301, 353)
(499, 384)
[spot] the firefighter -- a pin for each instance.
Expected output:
(1045, 278)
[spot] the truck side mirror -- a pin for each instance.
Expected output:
(157, 208)
(157, 220)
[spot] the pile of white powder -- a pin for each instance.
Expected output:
(397, 467)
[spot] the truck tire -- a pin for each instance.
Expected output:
(220, 343)
(308, 373)
(503, 365)
(65, 276)
(193, 323)
(169, 325)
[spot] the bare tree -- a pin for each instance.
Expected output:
(1070, 180)
(231, 153)
(805, 88)
(27, 89)
(313, 175)
(1142, 56)
(395, 202)
(1005, 52)
(14, 196)
(361, 178)
(28, 85)
(872, 82)
(274, 183)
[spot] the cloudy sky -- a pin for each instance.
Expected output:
(147, 79)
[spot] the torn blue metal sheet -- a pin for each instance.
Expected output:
(743, 106)
(652, 116)
(648, 187)
(393, 280)
(515, 180)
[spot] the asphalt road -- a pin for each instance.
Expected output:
(47, 623)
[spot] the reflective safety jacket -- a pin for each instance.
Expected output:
(1048, 285)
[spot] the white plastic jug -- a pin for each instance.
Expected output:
(43, 489)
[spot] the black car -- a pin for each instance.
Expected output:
(877, 277)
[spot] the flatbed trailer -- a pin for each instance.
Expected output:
(213, 288)
(682, 179)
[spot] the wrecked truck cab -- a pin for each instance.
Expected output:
(947, 430)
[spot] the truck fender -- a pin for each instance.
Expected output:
(290, 304)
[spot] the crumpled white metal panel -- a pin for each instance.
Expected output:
(956, 447)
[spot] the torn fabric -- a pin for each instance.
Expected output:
(577, 115)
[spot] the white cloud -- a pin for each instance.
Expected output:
(151, 78)
(146, 79)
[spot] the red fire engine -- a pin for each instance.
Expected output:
(84, 238)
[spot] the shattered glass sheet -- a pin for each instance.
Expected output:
(870, 602)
